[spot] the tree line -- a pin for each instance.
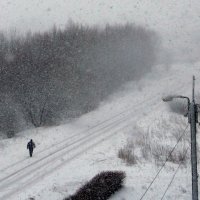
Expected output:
(63, 73)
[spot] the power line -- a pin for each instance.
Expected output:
(170, 153)
(173, 176)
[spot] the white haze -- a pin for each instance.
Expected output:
(177, 21)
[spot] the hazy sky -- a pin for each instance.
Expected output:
(177, 20)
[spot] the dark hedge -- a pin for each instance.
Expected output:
(101, 187)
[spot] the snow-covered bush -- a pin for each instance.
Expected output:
(156, 142)
(145, 146)
(127, 153)
(101, 187)
(161, 153)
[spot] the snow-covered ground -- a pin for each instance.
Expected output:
(67, 156)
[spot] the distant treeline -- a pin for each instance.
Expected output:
(60, 74)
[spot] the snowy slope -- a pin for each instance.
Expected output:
(68, 155)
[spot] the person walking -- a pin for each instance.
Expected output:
(30, 147)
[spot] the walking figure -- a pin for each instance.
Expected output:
(31, 146)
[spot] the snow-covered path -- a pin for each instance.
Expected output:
(57, 158)
(50, 159)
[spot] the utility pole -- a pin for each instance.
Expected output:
(193, 119)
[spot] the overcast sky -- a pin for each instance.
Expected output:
(175, 19)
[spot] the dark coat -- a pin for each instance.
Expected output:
(31, 145)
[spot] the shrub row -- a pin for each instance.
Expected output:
(101, 187)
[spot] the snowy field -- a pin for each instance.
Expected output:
(67, 156)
